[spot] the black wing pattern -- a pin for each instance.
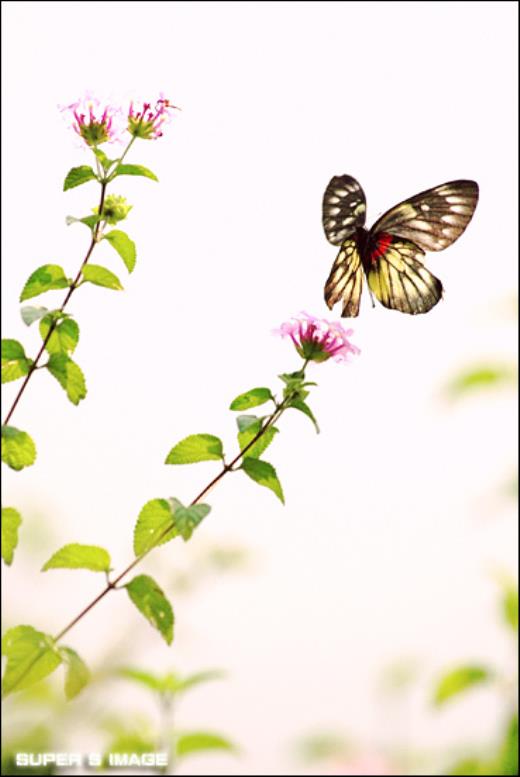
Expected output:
(398, 278)
(433, 219)
(345, 280)
(344, 208)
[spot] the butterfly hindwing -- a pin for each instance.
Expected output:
(398, 278)
(344, 208)
(346, 279)
(433, 219)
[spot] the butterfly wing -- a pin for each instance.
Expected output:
(344, 208)
(397, 277)
(433, 219)
(346, 279)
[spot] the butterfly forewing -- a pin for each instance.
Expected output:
(433, 219)
(345, 280)
(344, 208)
(398, 278)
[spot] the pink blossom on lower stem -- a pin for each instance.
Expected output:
(93, 121)
(146, 122)
(317, 340)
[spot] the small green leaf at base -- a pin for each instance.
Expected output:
(153, 520)
(200, 742)
(15, 363)
(245, 436)
(77, 673)
(69, 376)
(31, 656)
(18, 449)
(459, 680)
(124, 246)
(11, 520)
(300, 405)
(76, 556)
(100, 276)
(264, 474)
(195, 448)
(45, 278)
(77, 176)
(251, 398)
(153, 604)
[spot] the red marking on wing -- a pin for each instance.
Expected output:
(380, 246)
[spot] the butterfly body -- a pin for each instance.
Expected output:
(390, 254)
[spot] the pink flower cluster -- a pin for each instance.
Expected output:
(96, 122)
(317, 339)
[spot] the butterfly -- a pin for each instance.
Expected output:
(390, 253)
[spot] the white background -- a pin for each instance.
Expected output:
(395, 516)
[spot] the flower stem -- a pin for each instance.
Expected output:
(34, 366)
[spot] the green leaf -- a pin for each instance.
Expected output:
(201, 741)
(191, 681)
(69, 376)
(245, 421)
(76, 556)
(124, 246)
(11, 520)
(100, 276)
(77, 674)
(149, 680)
(459, 680)
(77, 176)
(31, 313)
(102, 157)
(188, 518)
(18, 449)
(31, 656)
(481, 377)
(510, 606)
(45, 278)
(300, 405)
(135, 170)
(89, 221)
(153, 520)
(64, 337)
(152, 603)
(15, 363)
(264, 474)
(508, 753)
(244, 438)
(196, 447)
(252, 398)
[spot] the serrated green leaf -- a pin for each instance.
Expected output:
(251, 398)
(186, 519)
(69, 376)
(245, 421)
(64, 337)
(31, 656)
(77, 673)
(247, 435)
(459, 680)
(31, 313)
(264, 474)
(153, 604)
(135, 170)
(89, 221)
(196, 447)
(11, 520)
(15, 363)
(124, 246)
(153, 520)
(77, 176)
(45, 278)
(76, 556)
(201, 741)
(299, 404)
(18, 449)
(100, 276)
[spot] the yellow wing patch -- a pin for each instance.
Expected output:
(400, 281)
(345, 281)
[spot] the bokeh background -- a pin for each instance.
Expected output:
(335, 616)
